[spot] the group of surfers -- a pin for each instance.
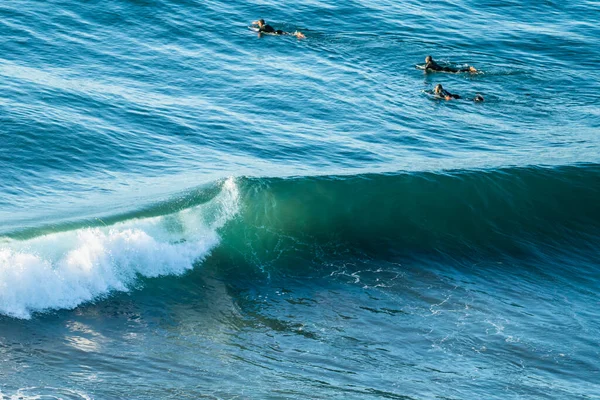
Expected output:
(429, 66)
(439, 91)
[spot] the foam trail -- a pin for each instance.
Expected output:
(65, 269)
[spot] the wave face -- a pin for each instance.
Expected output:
(509, 211)
(275, 222)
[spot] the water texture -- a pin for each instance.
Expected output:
(190, 210)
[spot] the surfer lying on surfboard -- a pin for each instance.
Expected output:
(439, 91)
(263, 27)
(442, 93)
(431, 65)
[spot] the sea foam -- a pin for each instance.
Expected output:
(65, 269)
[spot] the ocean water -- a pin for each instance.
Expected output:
(189, 210)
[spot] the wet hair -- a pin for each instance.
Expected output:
(438, 88)
(261, 21)
(428, 59)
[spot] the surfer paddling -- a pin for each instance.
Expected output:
(442, 93)
(439, 91)
(263, 27)
(431, 65)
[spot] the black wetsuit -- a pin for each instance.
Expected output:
(266, 29)
(446, 93)
(433, 66)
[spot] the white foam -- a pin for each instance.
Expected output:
(45, 393)
(65, 269)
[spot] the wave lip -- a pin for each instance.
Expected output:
(63, 270)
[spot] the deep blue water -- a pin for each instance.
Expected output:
(190, 210)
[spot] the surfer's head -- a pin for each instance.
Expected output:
(438, 89)
(260, 23)
(478, 97)
(428, 59)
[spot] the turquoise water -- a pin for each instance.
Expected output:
(188, 210)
